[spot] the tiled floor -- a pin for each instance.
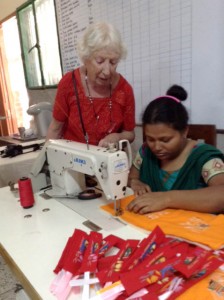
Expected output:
(8, 283)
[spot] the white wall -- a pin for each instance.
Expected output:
(220, 142)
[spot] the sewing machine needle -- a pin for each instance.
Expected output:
(117, 208)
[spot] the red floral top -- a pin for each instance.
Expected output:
(120, 117)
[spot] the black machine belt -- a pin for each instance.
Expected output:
(15, 149)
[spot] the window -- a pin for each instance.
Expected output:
(14, 99)
(39, 42)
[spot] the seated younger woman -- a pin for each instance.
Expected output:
(170, 170)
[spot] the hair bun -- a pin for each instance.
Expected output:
(177, 91)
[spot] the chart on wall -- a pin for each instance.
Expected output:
(160, 39)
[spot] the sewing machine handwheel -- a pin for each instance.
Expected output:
(89, 194)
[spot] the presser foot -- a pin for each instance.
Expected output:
(117, 208)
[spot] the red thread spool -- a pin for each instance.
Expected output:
(26, 192)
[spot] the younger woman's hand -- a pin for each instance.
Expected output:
(149, 202)
(139, 188)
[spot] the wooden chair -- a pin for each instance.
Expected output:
(204, 132)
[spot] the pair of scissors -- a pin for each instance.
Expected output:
(89, 194)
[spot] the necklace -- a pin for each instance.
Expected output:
(92, 103)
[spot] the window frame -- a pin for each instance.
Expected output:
(39, 65)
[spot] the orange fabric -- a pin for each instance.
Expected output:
(209, 288)
(206, 229)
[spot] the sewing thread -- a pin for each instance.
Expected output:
(26, 192)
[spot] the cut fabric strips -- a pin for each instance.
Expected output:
(160, 267)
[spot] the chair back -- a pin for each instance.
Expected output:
(204, 132)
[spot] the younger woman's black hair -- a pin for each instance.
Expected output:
(167, 110)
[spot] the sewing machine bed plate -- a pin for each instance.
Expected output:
(90, 209)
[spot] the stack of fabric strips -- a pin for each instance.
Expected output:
(107, 268)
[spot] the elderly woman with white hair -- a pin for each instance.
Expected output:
(94, 103)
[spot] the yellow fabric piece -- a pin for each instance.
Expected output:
(206, 229)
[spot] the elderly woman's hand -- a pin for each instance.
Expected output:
(114, 138)
(109, 139)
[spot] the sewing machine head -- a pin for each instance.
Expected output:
(69, 162)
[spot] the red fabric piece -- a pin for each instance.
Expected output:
(108, 242)
(164, 254)
(160, 287)
(172, 242)
(146, 247)
(74, 260)
(65, 252)
(90, 258)
(195, 257)
(72, 255)
(157, 267)
(142, 277)
(151, 296)
(104, 262)
(111, 273)
(66, 110)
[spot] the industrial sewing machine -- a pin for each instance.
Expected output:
(68, 162)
